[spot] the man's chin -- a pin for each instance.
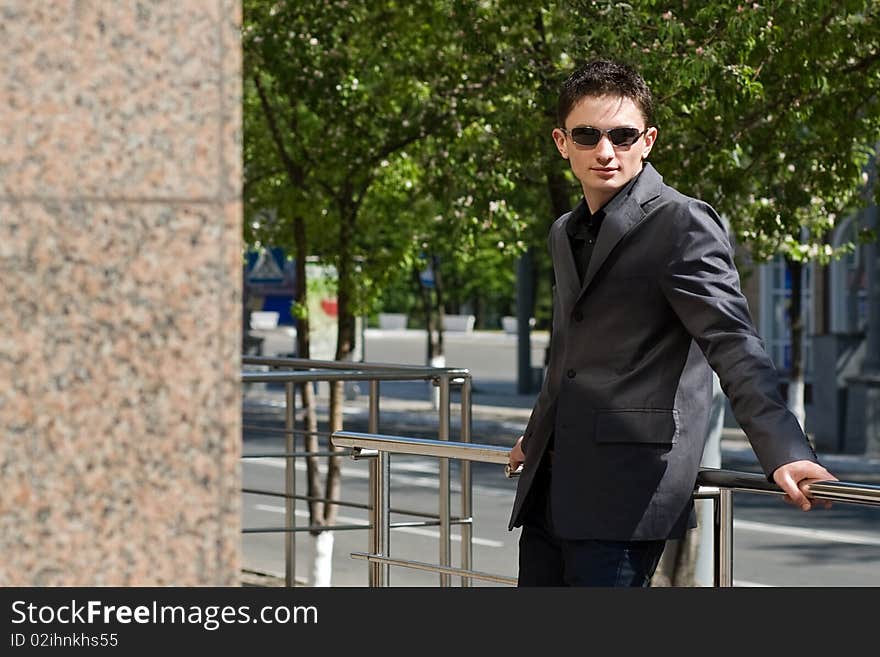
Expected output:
(606, 176)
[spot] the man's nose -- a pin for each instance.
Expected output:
(604, 149)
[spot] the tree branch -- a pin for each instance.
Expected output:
(294, 171)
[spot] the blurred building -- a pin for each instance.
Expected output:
(838, 337)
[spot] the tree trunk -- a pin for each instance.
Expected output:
(439, 359)
(319, 571)
(345, 322)
(558, 189)
(427, 310)
(796, 322)
(433, 326)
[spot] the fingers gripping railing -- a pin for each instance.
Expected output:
(719, 485)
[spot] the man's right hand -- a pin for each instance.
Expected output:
(516, 456)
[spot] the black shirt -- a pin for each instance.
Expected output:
(583, 227)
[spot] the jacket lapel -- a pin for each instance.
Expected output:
(622, 215)
(567, 283)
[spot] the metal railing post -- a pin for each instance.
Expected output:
(380, 472)
(374, 569)
(724, 538)
(445, 536)
(290, 485)
(467, 508)
(373, 422)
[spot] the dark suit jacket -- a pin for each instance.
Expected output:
(628, 389)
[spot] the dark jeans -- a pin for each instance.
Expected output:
(547, 560)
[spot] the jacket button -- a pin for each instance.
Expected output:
(571, 374)
(578, 316)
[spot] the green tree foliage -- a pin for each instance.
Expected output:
(770, 111)
(360, 99)
(424, 127)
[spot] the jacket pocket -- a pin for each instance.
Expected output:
(637, 425)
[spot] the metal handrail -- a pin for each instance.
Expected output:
(719, 486)
(274, 361)
(419, 446)
(325, 371)
(839, 491)
(715, 484)
(457, 374)
(280, 376)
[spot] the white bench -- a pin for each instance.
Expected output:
(463, 323)
(264, 319)
(392, 321)
(510, 324)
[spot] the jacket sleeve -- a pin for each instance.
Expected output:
(544, 401)
(701, 283)
(543, 406)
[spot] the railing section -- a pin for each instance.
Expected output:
(292, 372)
(714, 484)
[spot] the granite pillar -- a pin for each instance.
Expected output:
(120, 316)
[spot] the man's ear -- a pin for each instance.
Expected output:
(650, 138)
(561, 142)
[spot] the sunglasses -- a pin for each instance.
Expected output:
(589, 136)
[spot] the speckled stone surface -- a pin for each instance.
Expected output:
(120, 304)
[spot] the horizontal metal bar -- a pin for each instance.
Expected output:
(347, 365)
(306, 498)
(841, 491)
(422, 446)
(429, 523)
(287, 455)
(330, 528)
(293, 530)
(844, 491)
(351, 505)
(300, 376)
(706, 492)
(297, 432)
(734, 479)
(419, 565)
(277, 376)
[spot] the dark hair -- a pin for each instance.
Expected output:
(602, 77)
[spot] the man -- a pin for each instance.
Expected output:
(646, 293)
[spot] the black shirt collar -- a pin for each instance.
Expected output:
(582, 219)
(579, 220)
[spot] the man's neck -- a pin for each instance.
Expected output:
(596, 200)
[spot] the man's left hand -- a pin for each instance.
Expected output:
(793, 478)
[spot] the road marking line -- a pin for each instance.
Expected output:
(408, 530)
(801, 532)
(744, 583)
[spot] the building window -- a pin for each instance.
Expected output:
(775, 329)
(849, 289)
